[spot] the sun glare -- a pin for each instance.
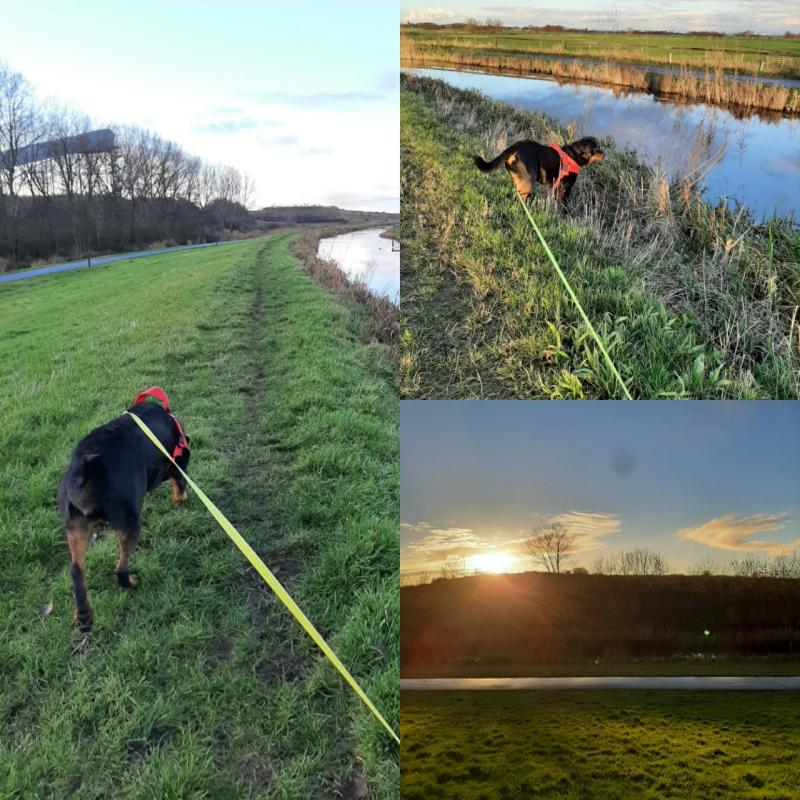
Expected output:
(496, 562)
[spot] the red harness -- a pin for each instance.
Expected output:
(567, 166)
(159, 394)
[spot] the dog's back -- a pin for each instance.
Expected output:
(113, 467)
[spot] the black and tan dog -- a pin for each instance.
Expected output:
(529, 162)
(110, 472)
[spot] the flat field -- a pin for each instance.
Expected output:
(779, 55)
(600, 744)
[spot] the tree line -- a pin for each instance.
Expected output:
(146, 189)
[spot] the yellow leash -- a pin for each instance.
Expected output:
(271, 581)
(575, 300)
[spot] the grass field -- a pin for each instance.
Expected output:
(692, 301)
(605, 744)
(779, 56)
(199, 684)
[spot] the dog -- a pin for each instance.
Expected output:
(109, 473)
(530, 162)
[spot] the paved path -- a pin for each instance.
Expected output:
(35, 273)
(705, 682)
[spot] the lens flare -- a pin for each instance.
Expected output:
(495, 562)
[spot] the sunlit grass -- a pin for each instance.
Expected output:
(603, 744)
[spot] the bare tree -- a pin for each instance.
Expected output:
(640, 561)
(612, 18)
(61, 194)
(453, 567)
(550, 547)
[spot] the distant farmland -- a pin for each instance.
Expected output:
(764, 55)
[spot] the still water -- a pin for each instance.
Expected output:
(366, 255)
(754, 161)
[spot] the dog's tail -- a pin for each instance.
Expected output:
(490, 166)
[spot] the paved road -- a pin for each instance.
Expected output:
(35, 273)
(705, 682)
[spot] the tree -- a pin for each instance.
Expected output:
(640, 561)
(453, 567)
(550, 547)
(612, 17)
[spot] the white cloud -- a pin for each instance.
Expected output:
(590, 527)
(729, 533)
(440, 15)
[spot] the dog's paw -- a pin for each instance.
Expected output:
(179, 496)
(83, 620)
(127, 580)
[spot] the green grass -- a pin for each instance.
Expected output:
(658, 668)
(199, 683)
(691, 301)
(780, 56)
(609, 745)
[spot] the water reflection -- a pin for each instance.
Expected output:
(368, 256)
(753, 160)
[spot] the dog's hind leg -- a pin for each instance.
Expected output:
(126, 539)
(78, 534)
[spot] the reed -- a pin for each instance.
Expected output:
(713, 87)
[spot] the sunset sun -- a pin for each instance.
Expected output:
(495, 562)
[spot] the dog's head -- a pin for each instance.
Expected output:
(586, 150)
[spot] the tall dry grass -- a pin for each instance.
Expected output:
(750, 63)
(713, 87)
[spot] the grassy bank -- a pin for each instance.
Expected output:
(690, 300)
(199, 684)
(713, 87)
(605, 744)
(778, 56)
(381, 320)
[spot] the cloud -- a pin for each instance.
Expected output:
(441, 15)
(235, 125)
(590, 527)
(729, 533)
(318, 99)
(372, 202)
(438, 541)
(315, 151)
(282, 141)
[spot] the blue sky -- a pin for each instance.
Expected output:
(728, 16)
(303, 95)
(689, 479)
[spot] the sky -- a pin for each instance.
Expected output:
(725, 16)
(304, 96)
(689, 479)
